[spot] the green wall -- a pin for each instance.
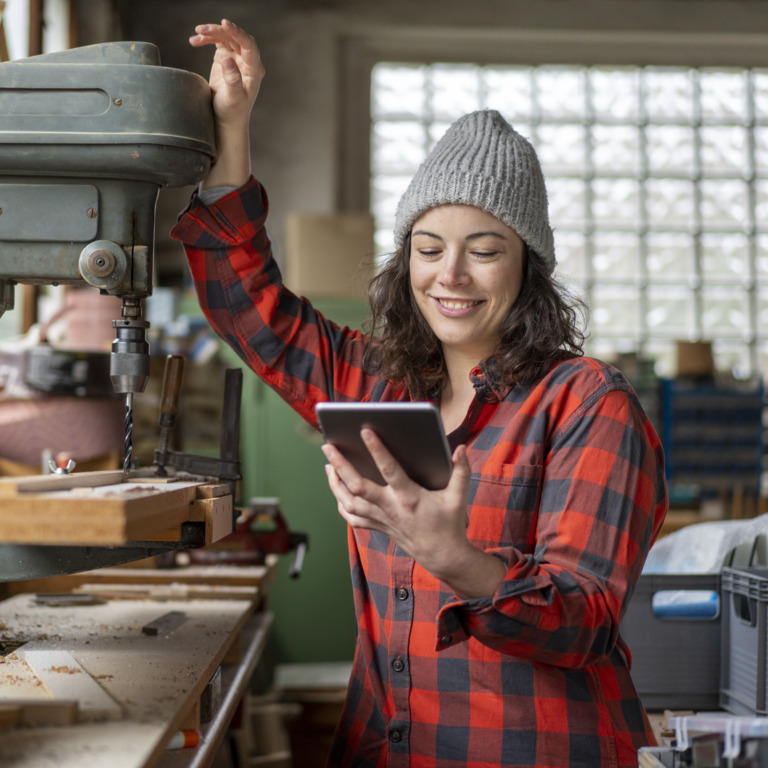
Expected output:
(281, 456)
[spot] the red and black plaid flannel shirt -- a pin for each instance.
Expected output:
(567, 489)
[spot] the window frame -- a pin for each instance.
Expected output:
(359, 55)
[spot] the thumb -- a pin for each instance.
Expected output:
(230, 71)
(462, 472)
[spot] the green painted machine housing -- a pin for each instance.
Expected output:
(87, 139)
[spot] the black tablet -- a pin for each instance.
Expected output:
(412, 432)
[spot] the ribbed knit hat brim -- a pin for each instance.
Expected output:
(482, 161)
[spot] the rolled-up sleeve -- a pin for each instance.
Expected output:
(601, 502)
(290, 345)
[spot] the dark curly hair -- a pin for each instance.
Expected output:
(542, 327)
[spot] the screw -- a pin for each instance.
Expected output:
(118, 102)
(1, 211)
(92, 213)
(101, 263)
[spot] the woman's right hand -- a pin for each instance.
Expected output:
(235, 79)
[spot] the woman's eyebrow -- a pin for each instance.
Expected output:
(489, 233)
(473, 236)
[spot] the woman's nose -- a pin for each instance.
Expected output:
(453, 271)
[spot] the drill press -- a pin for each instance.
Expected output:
(87, 139)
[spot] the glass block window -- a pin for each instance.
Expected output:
(658, 187)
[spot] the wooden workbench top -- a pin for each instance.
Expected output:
(147, 686)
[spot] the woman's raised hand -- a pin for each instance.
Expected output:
(236, 72)
(235, 79)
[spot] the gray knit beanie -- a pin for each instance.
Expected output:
(482, 161)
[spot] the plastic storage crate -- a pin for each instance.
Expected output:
(743, 687)
(675, 655)
(720, 740)
(711, 740)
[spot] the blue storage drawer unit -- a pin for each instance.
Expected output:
(712, 436)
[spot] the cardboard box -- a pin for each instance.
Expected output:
(694, 358)
(329, 255)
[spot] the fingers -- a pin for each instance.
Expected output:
(229, 69)
(352, 508)
(226, 34)
(347, 474)
(386, 463)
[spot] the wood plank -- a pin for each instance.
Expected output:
(212, 491)
(162, 592)
(258, 576)
(64, 677)
(215, 511)
(217, 514)
(109, 514)
(167, 534)
(13, 486)
(32, 713)
(209, 575)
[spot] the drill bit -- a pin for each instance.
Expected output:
(128, 442)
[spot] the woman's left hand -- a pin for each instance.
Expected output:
(431, 526)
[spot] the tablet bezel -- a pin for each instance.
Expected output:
(412, 432)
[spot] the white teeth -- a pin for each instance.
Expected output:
(457, 304)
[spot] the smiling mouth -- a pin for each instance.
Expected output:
(457, 304)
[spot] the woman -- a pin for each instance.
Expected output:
(488, 612)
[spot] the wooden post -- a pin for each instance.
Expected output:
(35, 27)
(3, 40)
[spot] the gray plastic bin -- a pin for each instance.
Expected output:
(675, 660)
(745, 623)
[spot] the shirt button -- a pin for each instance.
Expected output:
(402, 593)
(395, 736)
(398, 665)
(445, 640)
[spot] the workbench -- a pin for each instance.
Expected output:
(111, 693)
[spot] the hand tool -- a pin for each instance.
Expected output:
(165, 623)
(227, 467)
(169, 407)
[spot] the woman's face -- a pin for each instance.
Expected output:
(466, 273)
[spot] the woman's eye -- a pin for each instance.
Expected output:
(485, 254)
(429, 253)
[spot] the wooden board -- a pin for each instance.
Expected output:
(161, 592)
(257, 578)
(155, 681)
(32, 713)
(64, 678)
(95, 508)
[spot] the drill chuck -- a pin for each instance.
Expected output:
(129, 361)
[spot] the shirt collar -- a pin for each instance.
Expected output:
(484, 389)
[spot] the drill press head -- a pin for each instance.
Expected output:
(87, 139)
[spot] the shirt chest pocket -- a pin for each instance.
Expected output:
(503, 506)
